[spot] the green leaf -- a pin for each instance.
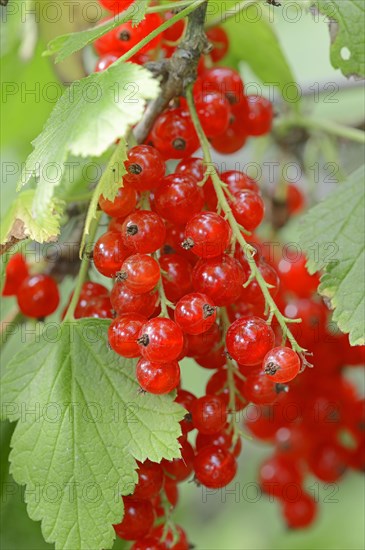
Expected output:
(334, 237)
(77, 450)
(20, 221)
(88, 118)
(346, 20)
(254, 41)
(67, 44)
(108, 185)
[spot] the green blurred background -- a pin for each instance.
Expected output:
(237, 521)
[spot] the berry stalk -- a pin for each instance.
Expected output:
(236, 230)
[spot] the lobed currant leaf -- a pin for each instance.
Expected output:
(77, 450)
(334, 237)
(20, 222)
(68, 44)
(84, 124)
(346, 27)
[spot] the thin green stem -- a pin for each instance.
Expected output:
(236, 231)
(83, 269)
(328, 126)
(166, 25)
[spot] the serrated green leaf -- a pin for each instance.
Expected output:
(67, 44)
(108, 186)
(84, 124)
(346, 19)
(77, 450)
(255, 42)
(334, 238)
(20, 222)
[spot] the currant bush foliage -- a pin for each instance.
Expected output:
(334, 236)
(348, 44)
(77, 450)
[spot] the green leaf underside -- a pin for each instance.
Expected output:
(68, 44)
(89, 117)
(82, 423)
(108, 185)
(255, 42)
(348, 16)
(21, 223)
(334, 236)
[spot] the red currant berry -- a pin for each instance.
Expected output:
(220, 278)
(173, 33)
(105, 61)
(207, 234)
(140, 273)
(248, 340)
(220, 439)
(185, 399)
(239, 181)
(38, 296)
(137, 520)
(295, 199)
(15, 273)
(327, 461)
(218, 384)
(124, 300)
(145, 168)
(248, 208)
(143, 231)
(195, 313)
(219, 38)
(123, 334)
(295, 278)
(200, 344)
(214, 359)
(281, 364)
(178, 198)
(115, 6)
(169, 542)
(176, 276)
(174, 135)
(150, 480)
(259, 389)
(194, 167)
(300, 513)
(224, 80)
(98, 307)
(278, 475)
(160, 340)
(215, 467)
(147, 543)
(123, 204)
(252, 294)
(109, 253)
(158, 378)
(209, 414)
(260, 115)
(180, 468)
(234, 138)
(214, 112)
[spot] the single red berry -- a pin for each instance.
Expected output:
(209, 414)
(249, 339)
(98, 307)
(158, 378)
(223, 439)
(173, 33)
(214, 112)
(213, 359)
(105, 61)
(328, 461)
(248, 208)
(109, 253)
(38, 296)
(178, 198)
(123, 334)
(150, 480)
(295, 199)
(233, 139)
(160, 340)
(278, 476)
(174, 135)
(260, 115)
(200, 344)
(224, 80)
(219, 39)
(300, 513)
(16, 272)
(220, 278)
(109, 43)
(195, 313)
(169, 542)
(176, 276)
(143, 231)
(137, 520)
(123, 204)
(215, 467)
(123, 300)
(281, 364)
(180, 468)
(140, 273)
(194, 167)
(295, 278)
(259, 389)
(147, 543)
(239, 181)
(115, 6)
(145, 168)
(207, 234)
